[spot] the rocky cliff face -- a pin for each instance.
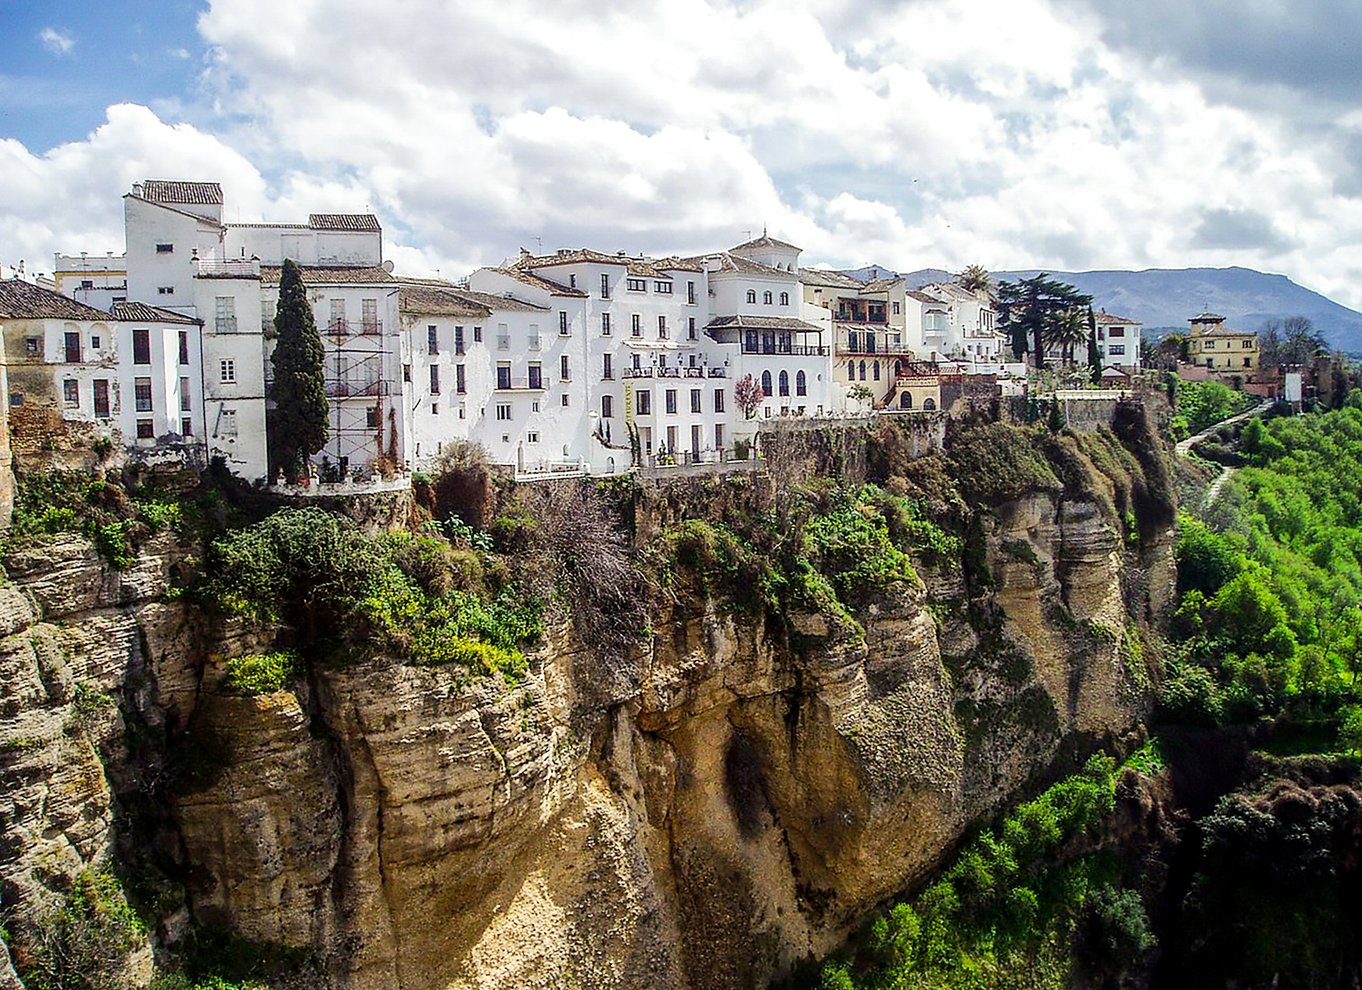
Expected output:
(734, 807)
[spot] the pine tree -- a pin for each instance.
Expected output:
(1094, 357)
(299, 425)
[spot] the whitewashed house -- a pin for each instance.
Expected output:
(1118, 341)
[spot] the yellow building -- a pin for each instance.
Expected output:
(1219, 349)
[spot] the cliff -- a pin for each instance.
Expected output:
(728, 801)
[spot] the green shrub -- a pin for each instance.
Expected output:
(262, 673)
(82, 944)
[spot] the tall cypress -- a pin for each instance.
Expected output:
(1094, 356)
(299, 424)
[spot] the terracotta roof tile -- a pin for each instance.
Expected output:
(1102, 316)
(136, 312)
(361, 222)
(541, 283)
(181, 193)
(828, 278)
(330, 275)
(760, 323)
(453, 301)
(765, 242)
(20, 300)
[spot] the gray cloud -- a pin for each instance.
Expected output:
(1232, 229)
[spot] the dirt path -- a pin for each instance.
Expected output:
(1184, 448)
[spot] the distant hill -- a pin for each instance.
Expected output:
(1164, 298)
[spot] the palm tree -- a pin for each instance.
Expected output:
(975, 278)
(1069, 330)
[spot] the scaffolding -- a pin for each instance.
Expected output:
(362, 419)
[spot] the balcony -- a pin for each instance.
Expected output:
(354, 328)
(794, 350)
(239, 268)
(509, 384)
(355, 390)
(637, 373)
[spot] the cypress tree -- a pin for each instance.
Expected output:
(1094, 357)
(299, 424)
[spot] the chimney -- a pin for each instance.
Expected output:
(137, 189)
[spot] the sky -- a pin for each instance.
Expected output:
(1056, 134)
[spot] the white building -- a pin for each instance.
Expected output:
(132, 375)
(1118, 341)
(96, 280)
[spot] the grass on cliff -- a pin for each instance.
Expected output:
(262, 673)
(82, 943)
(415, 597)
(1013, 907)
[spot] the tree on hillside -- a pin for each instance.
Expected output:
(975, 278)
(298, 427)
(747, 395)
(1069, 329)
(1094, 355)
(1293, 340)
(1029, 311)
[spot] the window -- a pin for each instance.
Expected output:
(532, 437)
(477, 335)
(503, 412)
(224, 314)
(73, 348)
(186, 427)
(535, 343)
(434, 379)
(1115, 349)
(766, 298)
(536, 375)
(460, 385)
(605, 286)
(607, 407)
(636, 284)
(565, 399)
(70, 389)
(94, 342)
(227, 423)
(145, 430)
(101, 395)
(661, 328)
(605, 324)
(643, 402)
(563, 368)
(607, 366)
(690, 328)
(1247, 343)
(636, 325)
(752, 295)
(562, 322)
(572, 281)
(1210, 345)
(165, 248)
(785, 299)
(165, 290)
(862, 371)
(184, 347)
(766, 383)
(690, 293)
(406, 373)
(1116, 331)
(695, 400)
(877, 371)
(718, 400)
(433, 339)
(784, 383)
(87, 283)
(801, 384)
(227, 371)
(503, 337)
(185, 404)
(458, 339)
(897, 309)
(33, 345)
(1248, 362)
(142, 391)
(141, 347)
(662, 288)
(371, 417)
(671, 401)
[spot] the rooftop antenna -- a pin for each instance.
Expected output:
(747, 235)
(540, 241)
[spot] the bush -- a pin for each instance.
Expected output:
(83, 944)
(263, 673)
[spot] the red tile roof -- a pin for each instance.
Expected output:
(766, 242)
(760, 323)
(330, 275)
(361, 222)
(20, 300)
(181, 193)
(540, 282)
(1102, 316)
(136, 312)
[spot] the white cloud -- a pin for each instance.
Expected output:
(58, 41)
(921, 133)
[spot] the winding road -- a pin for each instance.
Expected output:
(1184, 448)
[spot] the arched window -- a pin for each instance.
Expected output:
(929, 405)
(766, 383)
(766, 298)
(785, 299)
(862, 371)
(784, 383)
(877, 371)
(898, 367)
(851, 370)
(751, 295)
(801, 384)
(906, 400)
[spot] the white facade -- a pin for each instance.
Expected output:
(1118, 341)
(95, 280)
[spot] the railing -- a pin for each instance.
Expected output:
(637, 373)
(718, 372)
(668, 372)
(346, 328)
(350, 390)
(520, 384)
(800, 350)
(873, 320)
(243, 268)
